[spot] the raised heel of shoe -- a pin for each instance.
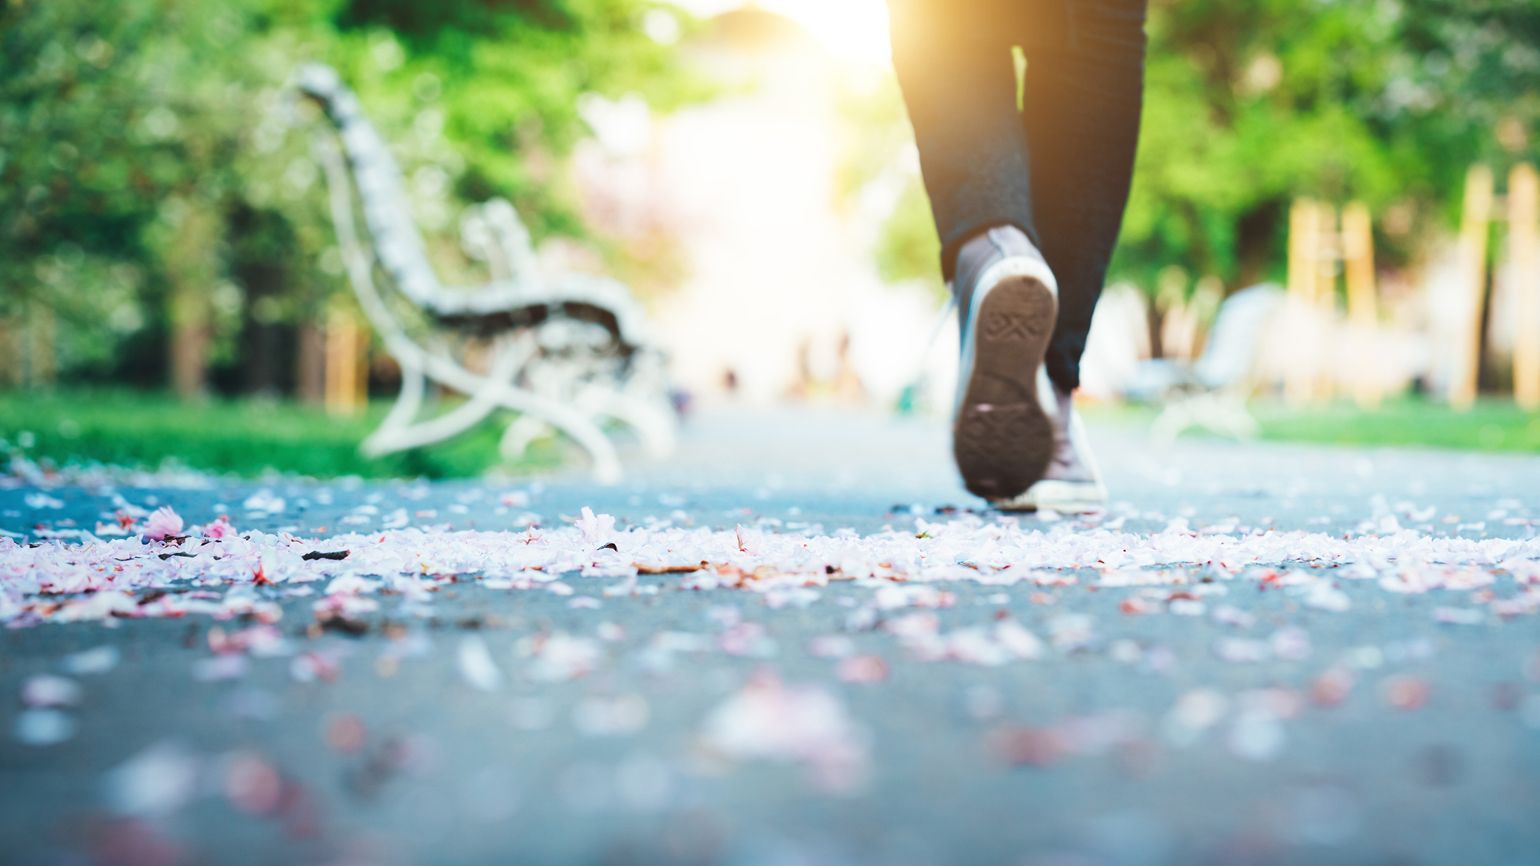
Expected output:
(1003, 437)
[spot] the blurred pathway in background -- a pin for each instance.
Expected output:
(847, 469)
(1259, 654)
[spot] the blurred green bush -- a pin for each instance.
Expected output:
(118, 427)
(152, 176)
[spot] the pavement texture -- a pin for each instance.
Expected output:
(796, 643)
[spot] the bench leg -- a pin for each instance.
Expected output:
(520, 434)
(652, 420)
(497, 386)
(387, 437)
(402, 431)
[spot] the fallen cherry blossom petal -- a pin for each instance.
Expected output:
(769, 720)
(48, 691)
(43, 727)
(162, 524)
(863, 669)
(476, 665)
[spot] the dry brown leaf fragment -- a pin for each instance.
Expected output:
(685, 568)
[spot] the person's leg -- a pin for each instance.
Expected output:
(1081, 107)
(954, 64)
(1059, 172)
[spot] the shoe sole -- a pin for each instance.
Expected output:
(1002, 438)
(1067, 497)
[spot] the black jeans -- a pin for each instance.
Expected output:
(1058, 167)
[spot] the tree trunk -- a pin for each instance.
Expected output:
(10, 352)
(190, 341)
(310, 365)
(192, 265)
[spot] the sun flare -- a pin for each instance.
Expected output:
(854, 31)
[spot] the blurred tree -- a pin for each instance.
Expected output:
(156, 201)
(126, 132)
(498, 82)
(1252, 104)
(1249, 105)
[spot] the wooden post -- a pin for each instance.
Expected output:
(1304, 249)
(1363, 307)
(1358, 253)
(1473, 255)
(360, 365)
(345, 374)
(1524, 256)
(1328, 237)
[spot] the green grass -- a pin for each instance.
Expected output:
(1408, 422)
(251, 437)
(1489, 426)
(248, 437)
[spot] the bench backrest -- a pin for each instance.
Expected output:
(1234, 341)
(397, 245)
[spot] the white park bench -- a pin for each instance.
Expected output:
(1212, 391)
(565, 352)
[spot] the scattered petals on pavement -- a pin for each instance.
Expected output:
(977, 601)
(223, 574)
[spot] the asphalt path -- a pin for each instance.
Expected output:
(1222, 725)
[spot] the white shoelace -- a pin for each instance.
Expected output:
(912, 384)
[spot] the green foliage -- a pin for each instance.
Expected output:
(110, 123)
(875, 135)
(1249, 105)
(148, 151)
(123, 428)
(497, 84)
(907, 247)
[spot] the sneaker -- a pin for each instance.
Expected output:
(1071, 483)
(1004, 422)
